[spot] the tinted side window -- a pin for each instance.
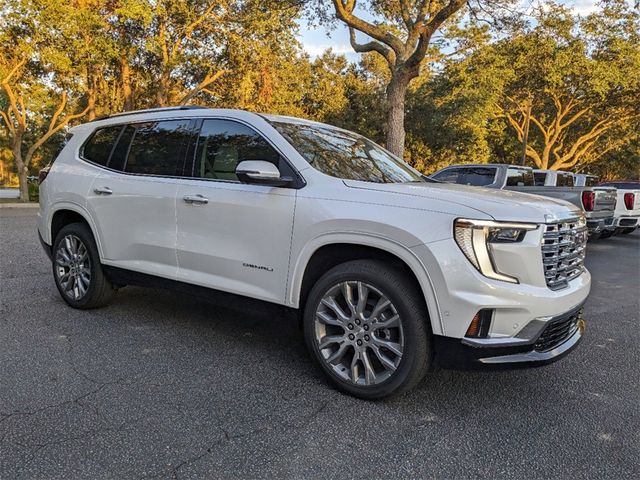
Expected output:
(98, 148)
(447, 176)
(222, 144)
(478, 176)
(158, 147)
(539, 179)
(119, 154)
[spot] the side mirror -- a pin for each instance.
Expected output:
(261, 172)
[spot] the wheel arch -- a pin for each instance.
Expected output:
(67, 213)
(329, 250)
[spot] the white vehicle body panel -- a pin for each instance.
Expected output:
(239, 241)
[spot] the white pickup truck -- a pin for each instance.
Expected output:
(597, 203)
(390, 273)
(627, 213)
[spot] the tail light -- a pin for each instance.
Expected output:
(629, 199)
(589, 200)
(42, 175)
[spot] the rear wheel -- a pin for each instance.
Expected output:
(77, 270)
(367, 326)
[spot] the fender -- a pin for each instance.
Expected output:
(370, 240)
(80, 210)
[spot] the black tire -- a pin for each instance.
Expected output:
(100, 290)
(628, 230)
(606, 234)
(408, 301)
(594, 236)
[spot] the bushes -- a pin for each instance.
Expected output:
(34, 191)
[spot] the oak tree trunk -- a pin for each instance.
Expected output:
(396, 92)
(125, 78)
(23, 173)
(23, 170)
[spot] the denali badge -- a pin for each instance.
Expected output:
(259, 267)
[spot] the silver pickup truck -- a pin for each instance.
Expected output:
(598, 203)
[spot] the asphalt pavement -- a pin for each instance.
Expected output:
(164, 385)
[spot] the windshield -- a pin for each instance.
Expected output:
(345, 155)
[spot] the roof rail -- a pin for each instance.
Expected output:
(155, 110)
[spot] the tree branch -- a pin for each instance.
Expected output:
(372, 46)
(344, 12)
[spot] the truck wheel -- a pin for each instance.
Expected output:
(367, 326)
(77, 270)
(626, 231)
(606, 234)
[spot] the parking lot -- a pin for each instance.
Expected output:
(162, 385)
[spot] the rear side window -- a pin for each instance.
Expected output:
(119, 154)
(98, 148)
(158, 147)
(517, 177)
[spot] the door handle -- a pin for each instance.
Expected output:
(103, 191)
(196, 199)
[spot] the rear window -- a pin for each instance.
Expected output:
(476, 176)
(447, 176)
(591, 181)
(539, 178)
(518, 177)
(98, 148)
(158, 147)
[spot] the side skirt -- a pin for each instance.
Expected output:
(121, 277)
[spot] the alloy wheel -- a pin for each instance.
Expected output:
(73, 267)
(359, 334)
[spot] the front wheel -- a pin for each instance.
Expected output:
(366, 324)
(77, 270)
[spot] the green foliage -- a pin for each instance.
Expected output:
(466, 105)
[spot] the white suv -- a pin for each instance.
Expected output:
(392, 273)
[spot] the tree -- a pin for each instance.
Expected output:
(579, 82)
(36, 103)
(403, 38)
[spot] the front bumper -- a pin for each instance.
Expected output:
(542, 341)
(45, 247)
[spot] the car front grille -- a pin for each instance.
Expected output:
(558, 331)
(563, 250)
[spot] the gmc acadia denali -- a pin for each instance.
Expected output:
(392, 273)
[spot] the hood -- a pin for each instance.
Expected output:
(501, 205)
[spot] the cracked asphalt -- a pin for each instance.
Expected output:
(163, 385)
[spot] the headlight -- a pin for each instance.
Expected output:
(474, 237)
